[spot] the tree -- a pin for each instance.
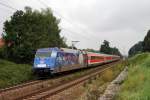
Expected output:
(105, 47)
(115, 51)
(135, 49)
(142, 46)
(146, 42)
(92, 50)
(29, 30)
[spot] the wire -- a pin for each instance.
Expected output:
(43, 3)
(84, 31)
(8, 6)
(54, 11)
(76, 33)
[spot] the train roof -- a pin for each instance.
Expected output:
(102, 54)
(57, 49)
(69, 50)
(47, 49)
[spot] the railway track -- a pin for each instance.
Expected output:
(42, 89)
(19, 86)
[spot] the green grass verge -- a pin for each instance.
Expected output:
(12, 74)
(137, 84)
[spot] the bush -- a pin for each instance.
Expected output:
(12, 74)
(108, 75)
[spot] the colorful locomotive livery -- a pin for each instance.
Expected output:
(55, 60)
(64, 58)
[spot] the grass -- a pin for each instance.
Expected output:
(137, 84)
(12, 74)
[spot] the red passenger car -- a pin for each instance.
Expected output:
(98, 59)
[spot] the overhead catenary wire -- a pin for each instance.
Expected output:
(75, 33)
(62, 17)
(8, 6)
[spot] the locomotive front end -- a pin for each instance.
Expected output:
(44, 61)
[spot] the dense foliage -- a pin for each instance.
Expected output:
(142, 46)
(29, 30)
(146, 42)
(105, 48)
(12, 73)
(137, 48)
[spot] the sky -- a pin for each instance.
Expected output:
(122, 22)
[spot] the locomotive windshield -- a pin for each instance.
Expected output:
(43, 54)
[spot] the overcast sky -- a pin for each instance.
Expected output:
(122, 22)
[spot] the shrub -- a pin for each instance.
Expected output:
(12, 74)
(108, 75)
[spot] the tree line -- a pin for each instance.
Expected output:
(141, 46)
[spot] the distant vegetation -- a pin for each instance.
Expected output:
(142, 46)
(27, 31)
(136, 86)
(105, 48)
(146, 42)
(12, 73)
(137, 48)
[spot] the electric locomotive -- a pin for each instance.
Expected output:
(55, 60)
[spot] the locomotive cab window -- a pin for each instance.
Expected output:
(43, 54)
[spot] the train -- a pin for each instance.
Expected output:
(56, 60)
